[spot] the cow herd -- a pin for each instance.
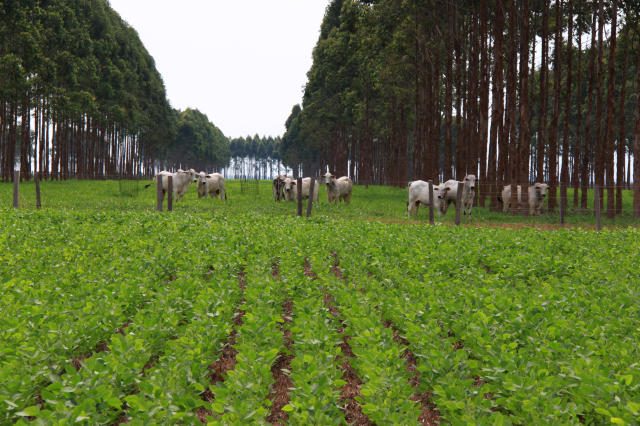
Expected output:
(207, 184)
(446, 193)
(339, 189)
(285, 188)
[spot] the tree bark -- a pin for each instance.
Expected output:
(609, 147)
(564, 171)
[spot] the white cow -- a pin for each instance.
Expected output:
(306, 186)
(419, 194)
(180, 182)
(537, 193)
(338, 189)
(212, 185)
(289, 183)
(449, 193)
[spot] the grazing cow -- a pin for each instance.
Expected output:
(537, 193)
(338, 189)
(278, 187)
(449, 193)
(212, 185)
(306, 186)
(419, 194)
(180, 182)
(288, 188)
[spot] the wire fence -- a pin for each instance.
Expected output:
(369, 202)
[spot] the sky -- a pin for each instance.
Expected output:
(243, 63)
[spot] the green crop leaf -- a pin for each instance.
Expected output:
(31, 411)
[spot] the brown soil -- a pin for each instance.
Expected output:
(275, 269)
(282, 383)
(227, 359)
(307, 270)
(351, 390)
(429, 414)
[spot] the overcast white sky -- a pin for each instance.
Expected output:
(241, 62)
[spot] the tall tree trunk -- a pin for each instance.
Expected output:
(636, 143)
(564, 171)
(448, 97)
(553, 128)
(484, 101)
(621, 160)
(588, 136)
(496, 167)
(542, 116)
(512, 105)
(610, 135)
(524, 144)
(579, 141)
(600, 143)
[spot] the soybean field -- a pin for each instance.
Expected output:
(243, 313)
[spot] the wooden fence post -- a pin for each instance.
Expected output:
(16, 188)
(38, 199)
(299, 192)
(170, 193)
(596, 201)
(310, 203)
(431, 219)
(459, 202)
(159, 195)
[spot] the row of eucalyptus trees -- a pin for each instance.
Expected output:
(79, 94)
(514, 91)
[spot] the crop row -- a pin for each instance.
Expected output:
(528, 339)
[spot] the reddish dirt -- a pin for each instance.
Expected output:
(351, 390)
(227, 359)
(308, 271)
(429, 414)
(275, 269)
(282, 383)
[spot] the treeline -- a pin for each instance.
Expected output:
(513, 91)
(80, 96)
(256, 157)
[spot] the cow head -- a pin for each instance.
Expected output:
(440, 191)
(289, 183)
(329, 178)
(470, 182)
(541, 191)
(194, 176)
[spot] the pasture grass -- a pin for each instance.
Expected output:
(369, 203)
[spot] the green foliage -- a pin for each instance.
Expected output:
(508, 326)
(198, 142)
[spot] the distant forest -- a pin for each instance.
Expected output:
(513, 91)
(80, 96)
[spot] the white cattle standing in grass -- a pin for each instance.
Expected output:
(419, 194)
(306, 186)
(449, 193)
(180, 182)
(338, 189)
(212, 185)
(288, 187)
(537, 194)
